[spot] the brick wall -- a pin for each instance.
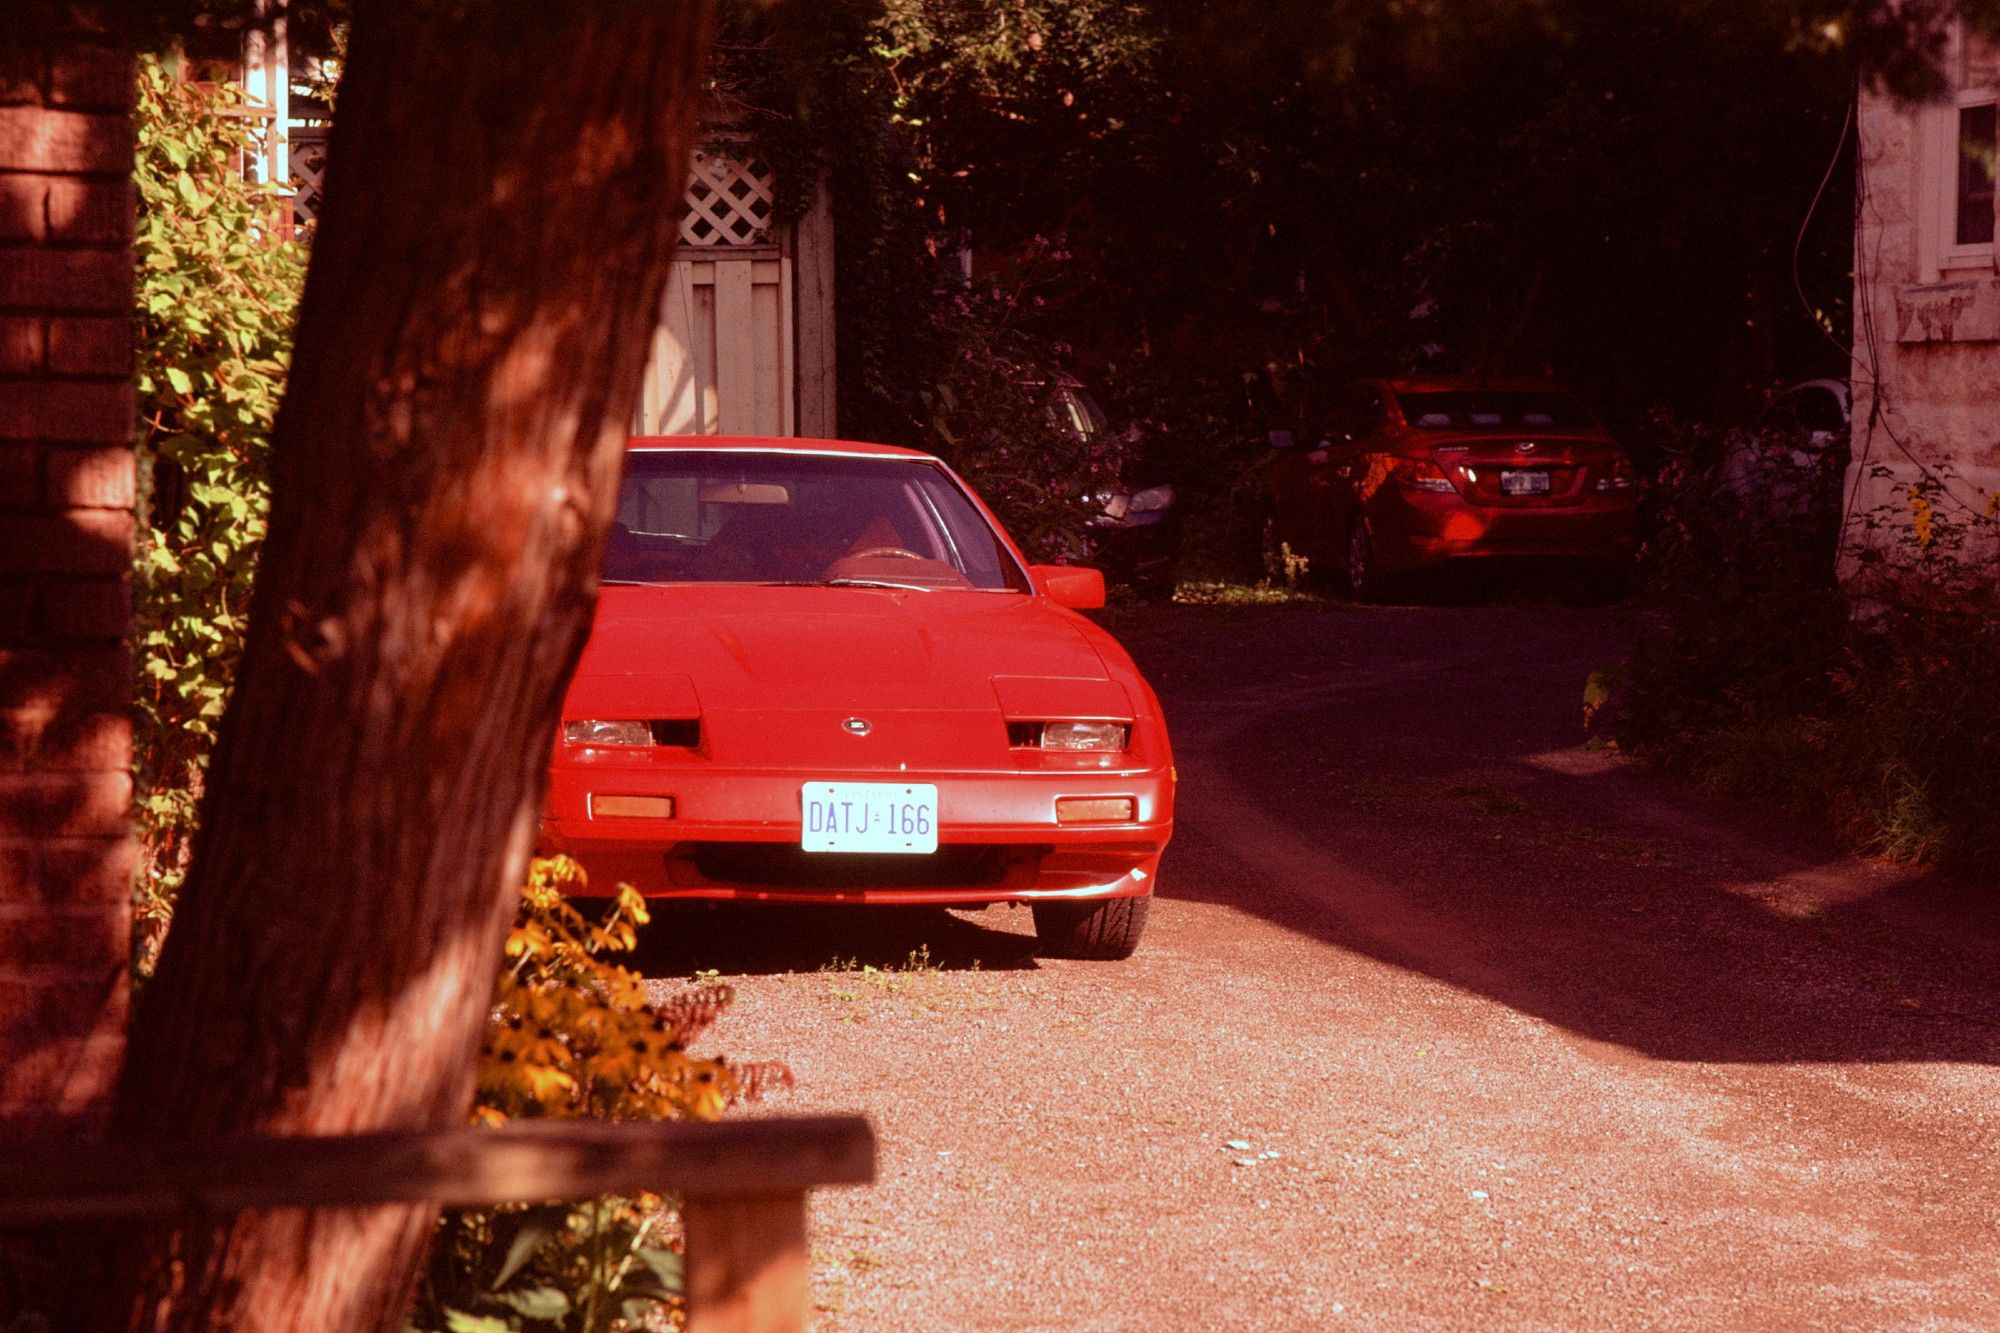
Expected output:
(66, 516)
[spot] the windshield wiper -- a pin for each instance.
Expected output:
(876, 583)
(781, 583)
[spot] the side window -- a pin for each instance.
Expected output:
(1374, 409)
(1362, 412)
(1780, 414)
(1819, 410)
(1074, 419)
(1073, 413)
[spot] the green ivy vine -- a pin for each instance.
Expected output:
(218, 284)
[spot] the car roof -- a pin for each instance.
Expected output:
(1473, 384)
(773, 444)
(1838, 388)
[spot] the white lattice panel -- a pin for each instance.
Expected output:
(729, 201)
(308, 172)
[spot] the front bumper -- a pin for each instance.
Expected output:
(1137, 549)
(735, 836)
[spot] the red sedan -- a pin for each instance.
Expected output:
(821, 672)
(1419, 472)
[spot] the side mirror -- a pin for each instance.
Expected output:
(1073, 586)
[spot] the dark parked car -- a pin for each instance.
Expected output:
(1136, 539)
(1417, 473)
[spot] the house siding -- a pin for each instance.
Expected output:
(1926, 376)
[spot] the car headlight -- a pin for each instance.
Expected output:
(1151, 500)
(595, 731)
(1084, 735)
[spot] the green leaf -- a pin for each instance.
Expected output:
(537, 1225)
(178, 380)
(537, 1302)
(665, 1265)
(458, 1321)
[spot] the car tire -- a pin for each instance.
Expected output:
(1365, 580)
(1102, 931)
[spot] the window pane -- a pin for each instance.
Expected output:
(1976, 145)
(1496, 410)
(1979, 61)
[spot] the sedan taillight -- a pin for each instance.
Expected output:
(1617, 477)
(1420, 474)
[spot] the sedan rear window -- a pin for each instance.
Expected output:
(1472, 410)
(736, 516)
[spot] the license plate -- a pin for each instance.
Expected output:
(1524, 483)
(868, 817)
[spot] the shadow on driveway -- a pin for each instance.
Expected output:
(761, 941)
(1408, 783)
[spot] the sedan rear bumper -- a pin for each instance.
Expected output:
(736, 836)
(1423, 530)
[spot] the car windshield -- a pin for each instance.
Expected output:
(735, 516)
(1474, 410)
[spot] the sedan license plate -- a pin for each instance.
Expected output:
(868, 817)
(1524, 483)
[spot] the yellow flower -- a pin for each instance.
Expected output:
(547, 1085)
(632, 903)
(573, 1034)
(1922, 519)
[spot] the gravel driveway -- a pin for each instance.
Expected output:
(1442, 1022)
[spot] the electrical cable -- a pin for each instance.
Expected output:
(1805, 224)
(1866, 267)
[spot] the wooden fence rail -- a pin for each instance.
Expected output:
(743, 1187)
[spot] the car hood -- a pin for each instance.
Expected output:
(774, 672)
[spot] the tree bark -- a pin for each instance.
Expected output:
(505, 187)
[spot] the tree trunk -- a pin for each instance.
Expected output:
(506, 183)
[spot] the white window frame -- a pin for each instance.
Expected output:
(1938, 174)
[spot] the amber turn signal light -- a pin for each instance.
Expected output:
(631, 807)
(1096, 809)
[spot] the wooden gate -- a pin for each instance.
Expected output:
(745, 340)
(744, 345)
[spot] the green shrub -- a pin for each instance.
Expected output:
(575, 1035)
(1755, 678)
(993, 414)
(217, 289)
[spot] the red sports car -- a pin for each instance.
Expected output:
(1418, 472)
(820, 672)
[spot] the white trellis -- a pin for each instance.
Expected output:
(744, 345)
(730, 201)
(308, 162)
